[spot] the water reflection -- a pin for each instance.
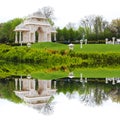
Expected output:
(68, 96)
(35, 93)
(92, 91)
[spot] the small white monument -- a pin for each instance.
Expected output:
(71, 46)
(81, 42)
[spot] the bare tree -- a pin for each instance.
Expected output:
(48, 12)
(115, 26)
(88, 22)
(94, 23)
(70, 25)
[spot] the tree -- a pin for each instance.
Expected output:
(71, 34)
(94, 26)
(115, 27)
(88, 22)
(65, 35)
(80, 30)
(70, 25)
(48, 12)
(7, 30)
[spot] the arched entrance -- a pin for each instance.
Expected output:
(39, 35)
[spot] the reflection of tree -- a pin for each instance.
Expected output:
(47, 109)
(92, 93)
(115, 95)
(87, 99)
(95, 97)
(6, 90)
(99, 95)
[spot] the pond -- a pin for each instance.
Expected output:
(25, 97)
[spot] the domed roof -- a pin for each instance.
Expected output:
(37, 14)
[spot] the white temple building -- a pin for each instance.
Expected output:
(35, 28)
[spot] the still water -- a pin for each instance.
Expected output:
(59, 99)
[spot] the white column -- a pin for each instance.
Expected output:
(34, 84)
(49, 84)
(85, 41)
(20, 83)
(81, 77)
(81, 42)
(113, 38)
(106, 40)
(106, 80)
(16, 40)
(113, 81)
(20, 37)
(16, 84)
(54, 36)
(45, 37)
(33, 37)
(85, 80)
(54, 84)
(29, 37)
(29, 84)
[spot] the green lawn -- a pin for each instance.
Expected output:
(50, 45)
(86, 48)
(86, 72)
(98, 72)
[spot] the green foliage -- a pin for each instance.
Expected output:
(7, 90)
(94, 28)
(7, 30)
(39, 56)
(54, 54)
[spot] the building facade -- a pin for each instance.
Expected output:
(35, 28)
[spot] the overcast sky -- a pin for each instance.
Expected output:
(65, 11)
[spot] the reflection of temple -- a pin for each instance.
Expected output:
(35, 93)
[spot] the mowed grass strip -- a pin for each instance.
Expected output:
(85, 48)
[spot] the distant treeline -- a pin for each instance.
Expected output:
(93, 28)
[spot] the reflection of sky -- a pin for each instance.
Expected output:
(64, 109)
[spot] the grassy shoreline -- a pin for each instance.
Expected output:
(54, 72)
(59, 54)
(86, 47)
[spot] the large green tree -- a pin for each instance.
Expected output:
(7, 30)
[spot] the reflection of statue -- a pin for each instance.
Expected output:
(35, 93)
(113, 80)
(71, 75)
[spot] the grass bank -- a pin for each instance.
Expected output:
(97, 53)
(51, 72)
(59, 54)
(86, 48)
